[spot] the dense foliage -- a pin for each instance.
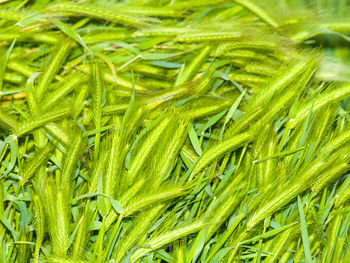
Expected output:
(174, 131)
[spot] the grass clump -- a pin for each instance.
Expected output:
(174, 131)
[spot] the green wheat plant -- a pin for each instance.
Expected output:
(176, 131)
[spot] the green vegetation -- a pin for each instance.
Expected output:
(174, 131)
